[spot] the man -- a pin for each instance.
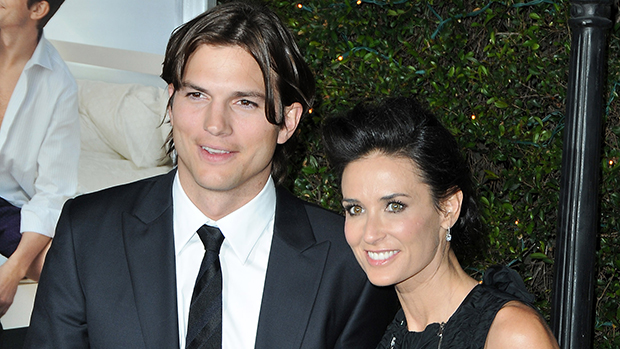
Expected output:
(39, 140)
(124, 262)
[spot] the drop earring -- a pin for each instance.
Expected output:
(448, 236)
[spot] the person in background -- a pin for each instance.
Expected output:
(410, 210)
(39, 140)
(125, 268)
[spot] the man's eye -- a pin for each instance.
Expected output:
(247, 103)
(194, 95)
(395, 207)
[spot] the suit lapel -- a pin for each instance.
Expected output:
(149, 247)
(293, 277)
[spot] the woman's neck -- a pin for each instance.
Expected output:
(433, 296)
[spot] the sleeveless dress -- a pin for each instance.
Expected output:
(469, 325)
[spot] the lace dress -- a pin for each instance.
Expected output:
(469, 325)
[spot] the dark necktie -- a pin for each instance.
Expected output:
(204, 329)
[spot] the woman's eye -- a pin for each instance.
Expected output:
(395, 207)
(354, 210)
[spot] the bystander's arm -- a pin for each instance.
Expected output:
(27, 260)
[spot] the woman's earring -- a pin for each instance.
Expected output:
(448, 236)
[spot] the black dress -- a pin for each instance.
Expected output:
(469, 325)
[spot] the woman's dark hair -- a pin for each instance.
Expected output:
(262, 34)
(402, 127)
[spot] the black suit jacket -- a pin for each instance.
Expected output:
(109, 277)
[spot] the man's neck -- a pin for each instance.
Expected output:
(217, 204)
(17, 46)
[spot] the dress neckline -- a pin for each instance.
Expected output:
(432, 325)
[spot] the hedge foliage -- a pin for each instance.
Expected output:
(496, 74)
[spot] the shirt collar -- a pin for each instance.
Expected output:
(241, 228)
(41, 55)
(187, 217)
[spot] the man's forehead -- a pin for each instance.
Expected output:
(198, 48)
(184, 77)
(222, 46)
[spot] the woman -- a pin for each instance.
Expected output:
(410, 209)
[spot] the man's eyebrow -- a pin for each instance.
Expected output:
(186, 84)
(237, 94)
(254, 94)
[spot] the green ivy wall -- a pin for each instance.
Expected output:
(496, 74)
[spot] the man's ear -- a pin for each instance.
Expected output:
(39, 10)
(170, 94)
(452, 209)
(292, 116)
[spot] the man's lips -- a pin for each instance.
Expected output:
(215, 151)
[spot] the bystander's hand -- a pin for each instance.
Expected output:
(27, 259)
(10, 276)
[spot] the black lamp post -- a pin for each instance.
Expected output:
(573, 292)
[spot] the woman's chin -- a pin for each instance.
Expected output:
(380, 281)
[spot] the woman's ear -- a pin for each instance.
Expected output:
(39, 10)
(292, 116)
(452, 209)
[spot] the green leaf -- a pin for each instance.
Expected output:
(501, 104)
(490, 174)
(541, 256)
(484, 200)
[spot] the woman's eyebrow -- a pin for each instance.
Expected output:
(392, 196)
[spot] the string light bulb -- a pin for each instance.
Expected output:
(340, 58)
(359, 2)
(310, 111)
(300, 5)
(473, 116)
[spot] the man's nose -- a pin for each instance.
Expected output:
(217, 119)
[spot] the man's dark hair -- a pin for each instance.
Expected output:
(401, 127)
(54, 6)
(262, 34)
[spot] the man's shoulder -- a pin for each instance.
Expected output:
(326, 225)
(316, 212)
(127, 194)
(313, 211)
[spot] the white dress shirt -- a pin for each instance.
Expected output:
(40, 141)
(244, 255)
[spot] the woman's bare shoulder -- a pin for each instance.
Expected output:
(517, 325)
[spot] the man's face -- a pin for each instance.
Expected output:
(223, 141)
(14, 13)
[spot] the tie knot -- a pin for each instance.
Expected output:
(211, 237)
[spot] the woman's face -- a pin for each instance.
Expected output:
(392, 225)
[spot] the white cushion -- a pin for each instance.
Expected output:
(124, 119)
